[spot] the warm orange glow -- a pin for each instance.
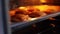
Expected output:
(25, 14)
(33, 19)
(12, 12)
(42, 7)
(43, 1)
(52, 18)
(46, 7)
(22, 8)
(53, 25)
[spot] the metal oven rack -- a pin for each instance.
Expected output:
(5, 27)
(25, 24)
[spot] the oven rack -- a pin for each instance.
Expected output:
(22, 25)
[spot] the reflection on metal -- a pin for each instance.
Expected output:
(4, 17)
(1, 21)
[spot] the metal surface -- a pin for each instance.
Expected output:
(1, 22)
(25, 24)
(4, 17)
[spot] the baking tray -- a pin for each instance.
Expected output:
(21, 25)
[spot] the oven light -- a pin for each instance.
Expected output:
(21, 7)
(42, 7)
(43, 1)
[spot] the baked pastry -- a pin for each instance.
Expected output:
(19, 18)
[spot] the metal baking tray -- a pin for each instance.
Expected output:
(21, 25)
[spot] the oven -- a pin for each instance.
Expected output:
(30, 16)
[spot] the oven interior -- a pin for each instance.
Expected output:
(30, 10)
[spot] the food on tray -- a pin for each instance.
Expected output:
(50, 11)
(19, 17)
(27, 13)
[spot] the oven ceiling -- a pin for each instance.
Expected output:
(38, 2)
(17, 3)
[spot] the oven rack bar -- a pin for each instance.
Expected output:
(20, 26)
